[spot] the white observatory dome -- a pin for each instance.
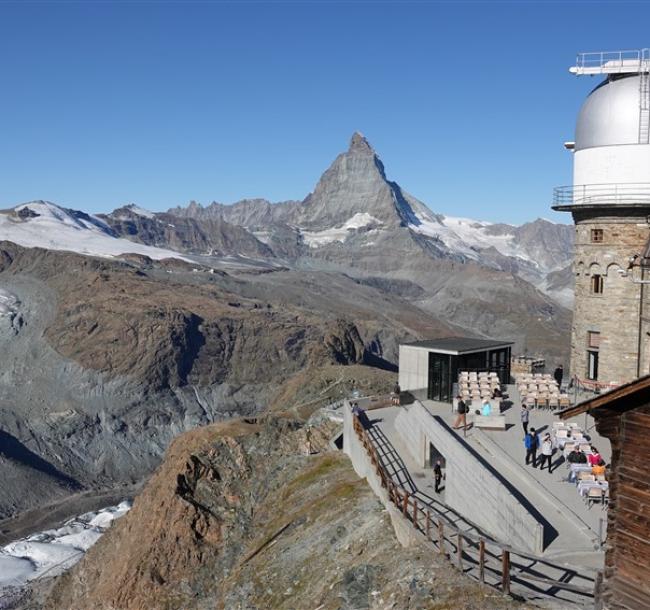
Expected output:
(610, 114)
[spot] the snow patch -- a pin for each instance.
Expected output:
(360, 220)
(8, 303)
(136, 209)
(46, 225)
(466, 236)
(54, 551)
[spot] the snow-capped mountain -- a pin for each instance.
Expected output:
(355, 212)
(44, 224)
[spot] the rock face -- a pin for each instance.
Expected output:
(212, 236)
(238, 516)
(355, 184)
(116, 357)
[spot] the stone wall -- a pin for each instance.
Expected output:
(615, 313)
(472, 487)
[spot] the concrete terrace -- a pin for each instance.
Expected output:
(576, 527)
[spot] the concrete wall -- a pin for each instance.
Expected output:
(352, 447)
(413, 368)
(471, 487)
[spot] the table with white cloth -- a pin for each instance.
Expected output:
(585, 486)
(576, 468)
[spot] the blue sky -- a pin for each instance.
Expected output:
(159, 103)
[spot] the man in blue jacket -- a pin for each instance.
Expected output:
(531, 442)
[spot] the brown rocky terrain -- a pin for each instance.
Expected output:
(113, 358)
(239, 516)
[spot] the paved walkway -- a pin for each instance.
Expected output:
(557, 499)
(563, 561)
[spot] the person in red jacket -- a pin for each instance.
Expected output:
(594, 457)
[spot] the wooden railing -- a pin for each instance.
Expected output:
(487, 560)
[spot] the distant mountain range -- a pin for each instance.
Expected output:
(492, 279)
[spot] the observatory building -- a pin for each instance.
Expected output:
(610, 204)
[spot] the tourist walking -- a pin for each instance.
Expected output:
(531, 442)
(525, 417)
(547, 452)
(461, 418)
(437, 475)
(559, 374)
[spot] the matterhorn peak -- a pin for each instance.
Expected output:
(359, 144)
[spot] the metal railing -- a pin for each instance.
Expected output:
(612, 61)
(602, 194)
(486, 560)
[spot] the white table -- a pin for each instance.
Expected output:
(585, 486)
(576, 468)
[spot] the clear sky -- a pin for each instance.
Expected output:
(159, 103)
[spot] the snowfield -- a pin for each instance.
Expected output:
(359, 221)
(52, 552)
(466, 236)
(46, 225)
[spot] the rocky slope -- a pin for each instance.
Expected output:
(239, 516)
(212, 236)
(113, 358)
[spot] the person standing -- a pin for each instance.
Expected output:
(547, 452)
(530, 442)
(525, 417)
(558, 375)
(437, 475)
(397, 391)
(461, 418)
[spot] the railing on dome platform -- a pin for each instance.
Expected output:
(602, 194)
(612, 62)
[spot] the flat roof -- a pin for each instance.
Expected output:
(459, 345)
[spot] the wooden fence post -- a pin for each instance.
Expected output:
(598, 592)
(459, 551)
(505, 572)
(441, 537)
(428, 524)
(405, 506)
(481, 561)
(415, 512)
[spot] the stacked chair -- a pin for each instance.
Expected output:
(541, 391)
(474, 387)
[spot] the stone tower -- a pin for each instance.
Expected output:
(610, 204)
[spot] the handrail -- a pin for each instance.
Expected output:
(612, 62)
(590, 194)
(427, 521)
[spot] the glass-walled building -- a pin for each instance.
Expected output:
(433, 365)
